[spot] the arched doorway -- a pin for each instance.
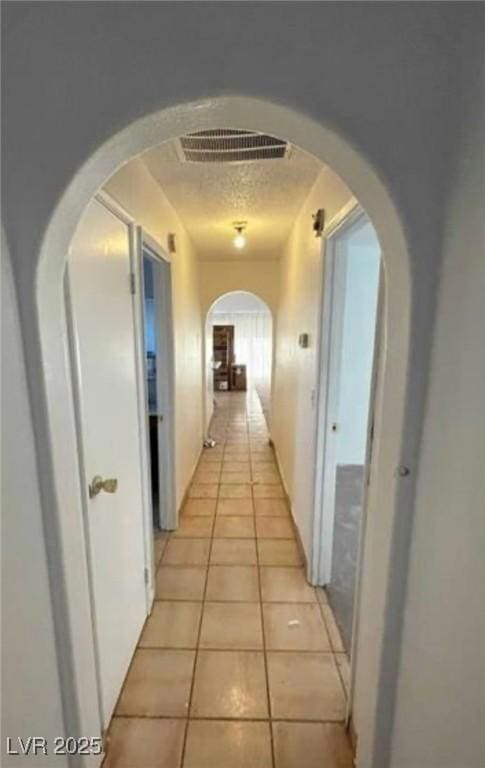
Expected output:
(252, 322)
(55, 422)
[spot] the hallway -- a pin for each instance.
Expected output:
(240, 664)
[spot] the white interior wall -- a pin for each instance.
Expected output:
(29, 669)
(135, 189)
(295, 373)
(362, 264)
(220, 277)
(440, 705)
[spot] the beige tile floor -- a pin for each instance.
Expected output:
(240, 664)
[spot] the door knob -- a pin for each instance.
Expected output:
(334, 427)
(98, 484)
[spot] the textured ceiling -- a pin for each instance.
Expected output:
(209, 197)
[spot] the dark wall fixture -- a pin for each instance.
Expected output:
(318, 222)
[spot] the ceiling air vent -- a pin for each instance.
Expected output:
(226, 145)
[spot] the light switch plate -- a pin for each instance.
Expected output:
(304, 340)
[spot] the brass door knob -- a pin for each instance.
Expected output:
(97, 485)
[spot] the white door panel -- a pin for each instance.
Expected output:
(103, 333)
(160, 386)
(348, 332)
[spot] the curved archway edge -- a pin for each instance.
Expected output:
(207, 311)
(396, 435)
(206, 314)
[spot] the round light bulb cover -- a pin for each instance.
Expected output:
(239, 241)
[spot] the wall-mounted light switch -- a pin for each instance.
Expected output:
(304, 340)
(171, 243)
(319, 222)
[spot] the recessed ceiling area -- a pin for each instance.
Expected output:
(209, 196)
(231, 146)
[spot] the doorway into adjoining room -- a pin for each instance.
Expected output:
(242, 478)
(158, 348)
(348, 362)
(240, 330)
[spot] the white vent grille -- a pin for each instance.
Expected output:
(227, 145)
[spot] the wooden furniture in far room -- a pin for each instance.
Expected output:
(223, 353)
(238, 378)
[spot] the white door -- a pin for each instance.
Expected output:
(160, 386)
(100, 306)
(353, 273)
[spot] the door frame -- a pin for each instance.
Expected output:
(166, 392)
(371, 431)
(324, 508)
(323, 515)
(44, 331)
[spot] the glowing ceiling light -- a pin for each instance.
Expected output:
(239, 240)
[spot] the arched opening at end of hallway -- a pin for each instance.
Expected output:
(239, 349)
(297, 413)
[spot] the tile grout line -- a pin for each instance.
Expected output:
(258, 576)
(229, 565)
(265, 602)
(197, 647)
(222, 649)
(261, 611)
(332, 649)
(236, 538)
(227, 719)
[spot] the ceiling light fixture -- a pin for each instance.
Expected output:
(239, 241)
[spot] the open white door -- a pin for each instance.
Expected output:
(352, 278)
(159, 364)
(102, 328)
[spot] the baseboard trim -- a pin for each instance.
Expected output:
(290, 507)
(185, 497)
(352, 733)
